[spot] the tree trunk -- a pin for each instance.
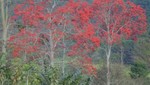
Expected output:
(51, 50)
(122, 51)
(4, 41)
(52, 58)
(63, 61)
(4, 25)
(108, 65)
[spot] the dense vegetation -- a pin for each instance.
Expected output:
(75, 42)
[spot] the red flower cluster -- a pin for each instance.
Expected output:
(96, 41)
(24, 42)
(127, 32)
(30, 12)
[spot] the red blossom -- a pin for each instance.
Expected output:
(23, 41)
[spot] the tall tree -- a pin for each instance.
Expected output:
(5, 19)
(43, 19)
(82, 34)
(117, 20)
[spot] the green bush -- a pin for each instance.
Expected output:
(22, 73)
(139, 70)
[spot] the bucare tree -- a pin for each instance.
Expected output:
(108, 21)
(83, 34)
(117, 20)
(41, 25)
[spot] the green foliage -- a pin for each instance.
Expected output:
(4, 70)
(21, 73)
(75, 79)
(138, 70)
(51, 77)
(2, 59)
(24, 73)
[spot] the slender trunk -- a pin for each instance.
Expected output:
(122, 51)
(25, 57)
(27, 82)
(52, 58)
(4, 41)
(108, 53)
(4, 25)
(108, 65)
(64, 51)
(51, 38)
(51, 50)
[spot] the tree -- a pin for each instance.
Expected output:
(44, 20)
(117, 20)
(107, 21)
(81, 33)
(5, 26)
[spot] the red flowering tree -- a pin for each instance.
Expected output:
(116, 20)
(43, 19)
(108, 21)
(82, 33)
